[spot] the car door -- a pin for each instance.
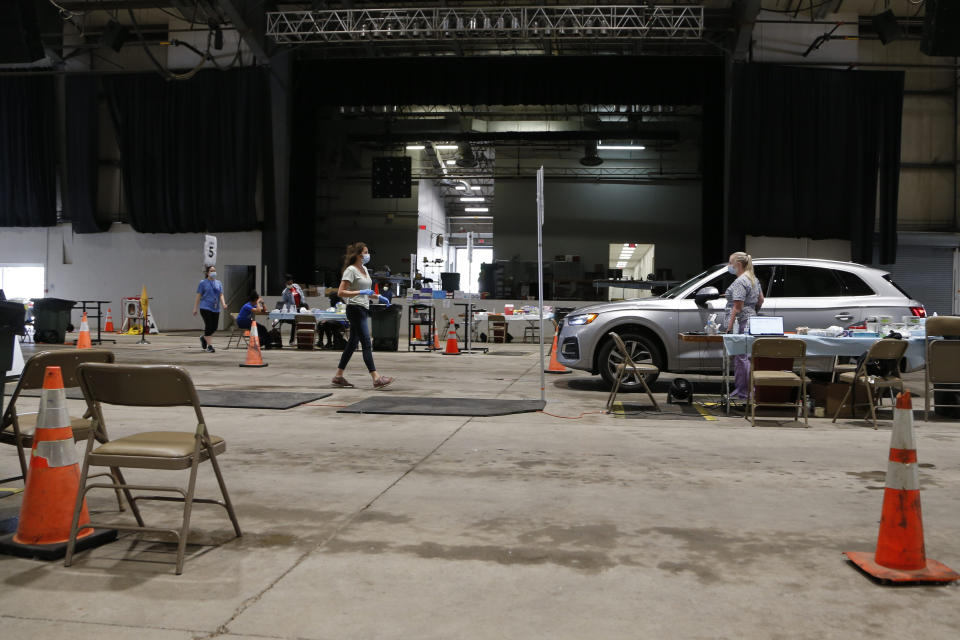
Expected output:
(811, 296)
(700, 356)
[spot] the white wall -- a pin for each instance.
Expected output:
(775, 247)
(433, 216)
(116, 264)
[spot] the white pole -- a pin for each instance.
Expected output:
(543, 384)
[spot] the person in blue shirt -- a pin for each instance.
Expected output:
(245, 317)
(209, 301)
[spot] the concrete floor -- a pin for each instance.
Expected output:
(528, 526)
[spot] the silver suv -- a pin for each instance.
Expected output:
(805, 292)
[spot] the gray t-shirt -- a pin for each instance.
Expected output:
(358, 279)
(747, 291)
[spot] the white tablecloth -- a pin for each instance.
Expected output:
(740, 344)
(321, 316)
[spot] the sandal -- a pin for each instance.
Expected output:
(340, 381)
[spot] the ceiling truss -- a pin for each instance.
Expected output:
(597, 22)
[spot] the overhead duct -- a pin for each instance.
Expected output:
(467, 159)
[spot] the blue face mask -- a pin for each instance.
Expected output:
(366, 258)
(731, 269)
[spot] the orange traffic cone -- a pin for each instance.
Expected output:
(436, 339)
(376, 289)
(900, 555)
(254, 359)
(53, 481)
(109, 326)
(416, 333)
(452, 347)
(83, 339)
(555, 366)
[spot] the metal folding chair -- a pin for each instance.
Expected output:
(943, 360)
(779, 348)
(148, 386)
(886, 350)
(628, 366)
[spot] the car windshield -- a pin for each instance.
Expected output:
(680, 288)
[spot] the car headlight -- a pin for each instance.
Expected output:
(585, 318)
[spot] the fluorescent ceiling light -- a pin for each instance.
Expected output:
(475, 188)
(451, 162)
(476, 209)
(445, 147)
(621, 265)
(478, 199)
(416, 147)
(460, 187)
(620, 147)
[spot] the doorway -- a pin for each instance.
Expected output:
(631, 263)
(470, 273)
(22, 281)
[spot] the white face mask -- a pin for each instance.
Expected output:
(731, 269)
(212, 275)
(366, 258)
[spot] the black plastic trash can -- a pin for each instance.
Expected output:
(11, 325)
(51, 316)
(450, 281)
(385, 326)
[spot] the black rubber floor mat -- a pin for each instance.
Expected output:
(508, 353)
(479, 407)
(234, 398)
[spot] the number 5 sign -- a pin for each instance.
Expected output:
(209, 250)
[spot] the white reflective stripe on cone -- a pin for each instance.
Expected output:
(902, 436)
(903, 477)
(53, 410)
(57, 453)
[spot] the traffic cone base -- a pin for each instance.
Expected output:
(900, 557)
(933, 572)
(555, 366)
(254, 358)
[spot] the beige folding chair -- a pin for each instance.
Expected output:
(886, 350)
(148, 386)
(628, 366)
(238, 337)
(498, 327)
(943, 360)
(17, 427)
(779, 348)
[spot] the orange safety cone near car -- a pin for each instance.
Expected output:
(900, 556)
(453, 348)
(555, 366)
(108, 328)
(254, 358)
(83, 338)
(52, 483)
(436, 339)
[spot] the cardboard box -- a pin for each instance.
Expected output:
(830, 394)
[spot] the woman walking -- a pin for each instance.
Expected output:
(744, 299)
(355, 291)
(209, 301)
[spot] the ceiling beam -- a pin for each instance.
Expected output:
(746, 12)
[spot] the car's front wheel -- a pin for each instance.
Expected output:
(642, 350)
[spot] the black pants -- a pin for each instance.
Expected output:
(261, 332)
(210, 321)
(359, 333)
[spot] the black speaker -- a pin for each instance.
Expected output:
(392, 177)
(19, 32)
(885, 24)
(941, 28)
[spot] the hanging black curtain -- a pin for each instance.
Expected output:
(83, 163)
(28, 189)
(190, 150)
(811, 149)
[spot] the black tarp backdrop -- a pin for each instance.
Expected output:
(28, 191)
(671, 80)
(82, 127)
(190, 150)
(812, 149)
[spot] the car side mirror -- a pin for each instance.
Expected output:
(706, 294)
